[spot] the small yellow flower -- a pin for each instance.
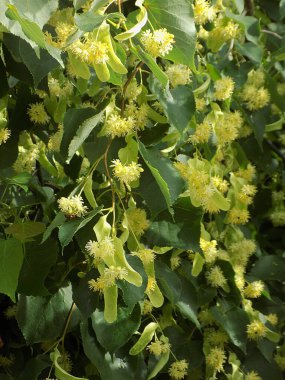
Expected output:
(256, 330)
(145, 254)
(252, 375)
(178, 369)
(72, 206)
(100, 250)
(147, 307)
(216, 359)
(137, 220)
(280, 361)
(117, 126)
(126, 173)
(202, 133)
(254, 289)
(209, 249)
(272, 318)
(5, 133)
(203, 12)
(178, 74)
(216, 277)
(159, 347)
(237, 216)
(157, 43)
(224, 88)
(37, 114)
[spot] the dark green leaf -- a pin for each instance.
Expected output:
(169, 282)
(74, 118)
(178, 104)
(270, 268)
(69, 229)
(188, 302)
(43, 318)
(234, 322)
(11, 258)
(183, 232)
(36, 266)
(25, 230)
(115, 335)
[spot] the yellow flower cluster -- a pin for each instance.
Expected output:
(178, 369)
(108, 278)
(254, 94)
(209, 249)
(137, 220)
(28, 153)
(280, 361)
(214, 337)
(72, 206)
(241, 251)
(159, 347)
(202, 133)
(55, 139)
(126, 173)
(178, 74)
(227, 127)
(37, 114)
(203, 12)
(256, 330)
(138, 115)
(157, 43)
(146, 255)
(117, 126)
(238, 216)
(215, 277)
(5, 133)
(100, 250)
(216, 359)
(272, 318)
(252, 375)
(224, 88)
(133, 90)
(90, 50)
(254, 289)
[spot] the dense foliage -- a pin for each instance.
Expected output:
(142, 189)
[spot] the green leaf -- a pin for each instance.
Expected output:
(31, 29)
(177, 17)
(169, 282)
(69, 229)
(115, 335)
(198, 264)
(89, 21)
(38, 11)
(82, 133)
(25, 230)
(59, 372)
(57, 221)
(85, 299)
(43, 318)
(269, 268)
(11, 258)
(74, 119)
(250, 50)
(166, 176)
(151, 64)
(183, 232)
(178, 104)
(188, 302)
(109, 366)
(36, 266)
(38, 67)
(234, 321)
(34, 368)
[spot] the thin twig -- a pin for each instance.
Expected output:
(272, 33)
(139, 65)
